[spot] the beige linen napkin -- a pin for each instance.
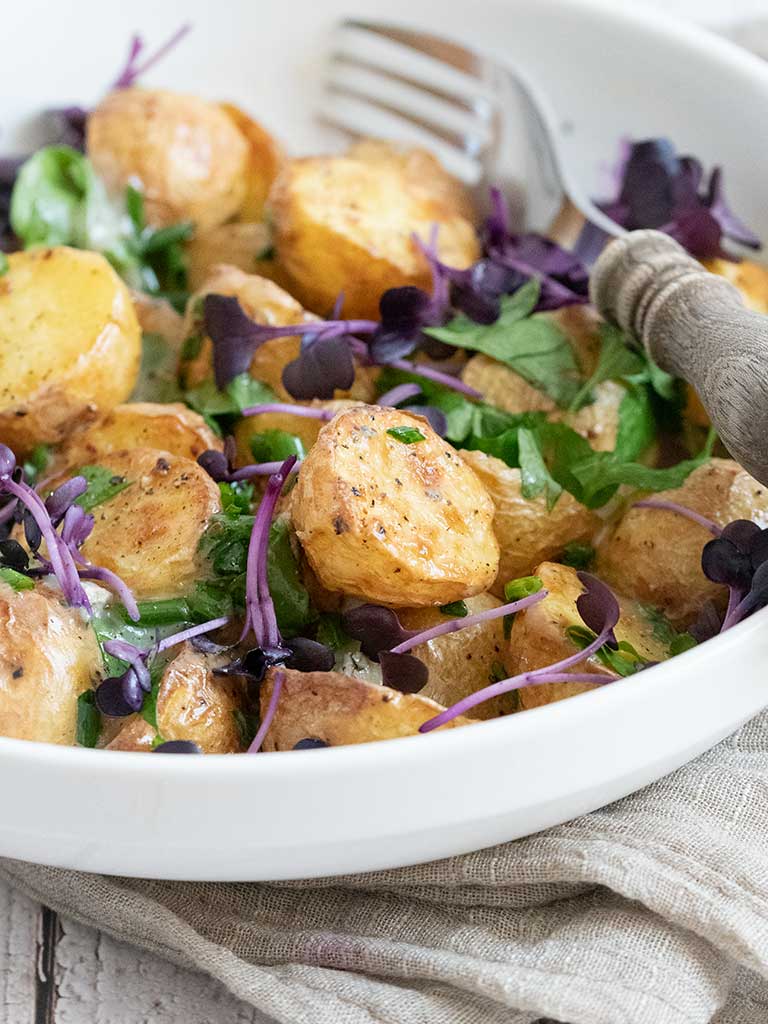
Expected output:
(653, 910)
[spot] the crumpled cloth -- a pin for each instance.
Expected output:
(653, 910)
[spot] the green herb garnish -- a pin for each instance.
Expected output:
(624, 660)
(275, 446)
(517, 589)
(577, 554)
(407, 435)
(14, 579)
(103, 486)
(455, 610)
(88, 720)
(4, 264)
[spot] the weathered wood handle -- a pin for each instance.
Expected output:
(694, 325)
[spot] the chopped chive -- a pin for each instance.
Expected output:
(14, 579)
(407, 435)
(456, 609)
(522, 587)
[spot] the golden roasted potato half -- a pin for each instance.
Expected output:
(339, 710)
(750, 278)
(149, 532)
(265, 158)
(389, 521)
(192, 704)
(463, 662)
(539, 636)
(267, 303)
(157, 316)
(346, 225)
(421, 169)
(526, 531)
(48, 656)
(70, 344)
(242, 245)
(189, 155)
(170, 427)
(655, 555)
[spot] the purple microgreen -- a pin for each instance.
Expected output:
(132, 69)
(400, 393)
(306, 411)
(598, 606)
(597, 599)
(62, 562)
(134, 656)
(435, 417)
(681, 510)
(428, 372)
(723, 562)
(115, 700)
(707, 623)
(177, 747)
(377, 628)
(13, 555)
(60, 501)
(309, 656)
(321, 369)
(112, 582)
(218, 466)
(277, 685)
(403, 672)
(76, 528)
(463, 622)
(191, 633)
(309, 743)
(253, 665)
(259, 608)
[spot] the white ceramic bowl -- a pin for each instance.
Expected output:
(609, 73)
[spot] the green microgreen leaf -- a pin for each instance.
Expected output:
(103, 486)
(88, 727)
(16, 580)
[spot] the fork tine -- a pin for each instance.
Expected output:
(362, 118)
(412, 102)
(364, 44)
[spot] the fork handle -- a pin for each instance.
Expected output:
(694, 325)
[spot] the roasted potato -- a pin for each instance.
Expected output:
(421, 169)
(392, 522)
(242, 245)
(338, 710)
(48, 656)
(539, 636)
(267, 303)
(69, 344)
(188, 155)
(149, 532)
(170, 427)
(655, 555)
(527, 533)
(157, 316)
(750, 278)
(461, 663)
(192, 704)
(346, 225)
(265, 158)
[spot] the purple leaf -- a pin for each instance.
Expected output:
(234, 335)
(177, 747)
(598, 606)
(403, 672)
(309, 656)
(377, 628)
(323, 366)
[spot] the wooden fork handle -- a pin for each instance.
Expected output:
(693, 324)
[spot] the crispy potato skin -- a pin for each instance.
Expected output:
(70, 344)
(655, 555)
(341, 710)
(265, 158)
(188, 154)
(527, 533)
(170, 427)
(538, 636)
(236, 244)
(192, 704)
(390, 522)
(461, 663)
(48, 656)
(149, 533)
(344, 224)
(421, 170)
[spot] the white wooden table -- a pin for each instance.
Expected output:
(53, 971)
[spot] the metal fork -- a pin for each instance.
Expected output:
(473, 113)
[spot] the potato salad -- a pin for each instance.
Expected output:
(304, 451)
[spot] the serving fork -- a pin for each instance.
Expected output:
(473, 112)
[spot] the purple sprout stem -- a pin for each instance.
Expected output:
(277, 686)
(89, 571)
(732, 616)
(309, 412)
(189, 634)
(7, 511)
(549, 674)
(131, 72)
(455, 383)
(454, 625)
(398, 394)
(681, 510)
(260, 469)
(62, 562)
